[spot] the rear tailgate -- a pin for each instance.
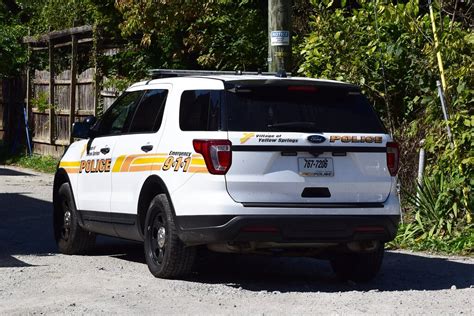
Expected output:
(295, 143)
(288, 168)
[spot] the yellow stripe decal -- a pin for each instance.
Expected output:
(118, 163)
(69, 164)
(199, 162)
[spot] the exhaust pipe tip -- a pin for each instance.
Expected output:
(364, 246)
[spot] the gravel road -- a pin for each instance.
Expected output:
(114, 279)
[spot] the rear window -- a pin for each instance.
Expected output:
(199, 110)
(301, 109)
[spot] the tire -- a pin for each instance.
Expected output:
(166, 255)
(358, 267)
(70, 237)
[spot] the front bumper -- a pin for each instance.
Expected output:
(208, 229)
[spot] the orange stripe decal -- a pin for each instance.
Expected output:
(194, 169)
(72, 170)
(127, 162)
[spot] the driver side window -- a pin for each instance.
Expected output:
(116, 120)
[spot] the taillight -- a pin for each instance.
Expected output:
(217, 154)
(392, 157)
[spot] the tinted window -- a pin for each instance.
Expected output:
(199, 110)
(117, 119)
(301, 109)
(149, 112)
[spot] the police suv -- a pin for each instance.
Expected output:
(237, 163)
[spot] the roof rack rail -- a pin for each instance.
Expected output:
(167, 73)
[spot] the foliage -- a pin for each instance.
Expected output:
(45, 164)
(194, 34)
(54, 15)
(41, 103)
(436, 209)
(12, 53)
(388, 49)
(461, 242)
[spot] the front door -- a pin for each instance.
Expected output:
(95, 173)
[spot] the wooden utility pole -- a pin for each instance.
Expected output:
(279, 35)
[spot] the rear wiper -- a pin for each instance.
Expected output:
(305, 125)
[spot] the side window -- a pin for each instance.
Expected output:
(199, 110)
(117, 119)
(149, 113)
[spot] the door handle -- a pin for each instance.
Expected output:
(105, 150)
(147, 148)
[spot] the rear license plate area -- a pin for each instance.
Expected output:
(316, 167)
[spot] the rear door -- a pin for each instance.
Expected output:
(136, 152)
(305, 142)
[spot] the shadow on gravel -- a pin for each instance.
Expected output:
(25, 228)
(10, 172)
(400, 271)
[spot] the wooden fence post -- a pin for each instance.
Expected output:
(72, 110)
(51, 92)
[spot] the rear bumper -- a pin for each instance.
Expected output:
(208, 229)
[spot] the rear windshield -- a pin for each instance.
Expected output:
(301, 109)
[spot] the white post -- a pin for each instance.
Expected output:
(445, 112)
(421, 163)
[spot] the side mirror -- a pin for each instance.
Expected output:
(83, 129)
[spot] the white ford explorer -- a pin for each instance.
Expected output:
(234, 163)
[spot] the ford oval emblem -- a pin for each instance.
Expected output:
(318, 139)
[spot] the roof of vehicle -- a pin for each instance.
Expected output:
(240, 78)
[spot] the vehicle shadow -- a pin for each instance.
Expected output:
(400, 272)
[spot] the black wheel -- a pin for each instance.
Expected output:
(70, 237)
(166, 255)
(358, 267)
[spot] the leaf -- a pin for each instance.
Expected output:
(468, 161)
(469, 38)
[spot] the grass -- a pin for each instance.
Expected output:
(461, 243)
(46, 164)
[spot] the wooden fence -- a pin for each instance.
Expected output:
(56, 99)
(61, 113)
(65, 109)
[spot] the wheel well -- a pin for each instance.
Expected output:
(153, 185)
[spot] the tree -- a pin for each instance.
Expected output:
(218, 34)
(12, 52)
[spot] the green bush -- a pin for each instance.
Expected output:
(388, 49)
